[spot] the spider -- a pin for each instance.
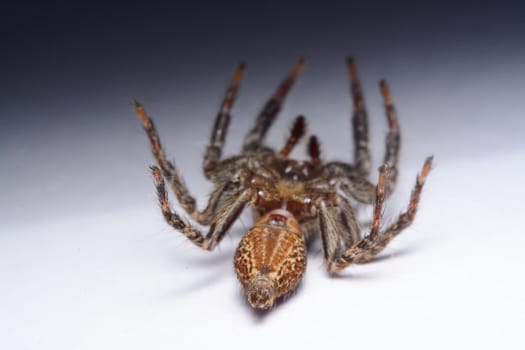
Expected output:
(293, 201)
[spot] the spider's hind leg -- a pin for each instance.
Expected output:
(376, 241)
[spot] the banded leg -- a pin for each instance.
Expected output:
(255, 136)
(359, 123)
(297, 132)
(376, 241)
(224, 218)
(186, 200)
(393, 139)
(222, 121)
(372, 237)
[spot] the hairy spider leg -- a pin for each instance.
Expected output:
(376, 241)
(362, 157)
(169, 171)
(393, 139)
(351, 229)
(330, 227)
(220, 128)
(186, 200)
(360, 126)
(232, 207)
(296, 133)
(338, 226)
(351, 178)
(266, 117)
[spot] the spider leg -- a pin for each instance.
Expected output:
(359, 122)
(186, 200)
(217, 197)
(255, 136)
(297, 132)
(168, 170)
(393, 139)
(222, 121)
(360, 127)
(376, 241)
(338, 226)
(346, 181)
(358, 188)
(351, 230)
(232, 207)
(329, 227)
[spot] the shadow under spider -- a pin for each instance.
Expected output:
(214, 259)
(351, 276)
(394, 254)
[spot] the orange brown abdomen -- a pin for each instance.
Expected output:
(271, 258)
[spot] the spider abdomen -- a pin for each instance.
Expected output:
(271, 258)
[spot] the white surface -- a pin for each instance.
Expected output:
(86, 261)
(124, 280)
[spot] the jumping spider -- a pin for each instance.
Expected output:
(292, 200)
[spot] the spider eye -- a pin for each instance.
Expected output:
(293, 174)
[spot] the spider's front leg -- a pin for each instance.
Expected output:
(393, 139)
(376, 241)
(231, 207)
(266, 117)
(359, 122)
(213, 152)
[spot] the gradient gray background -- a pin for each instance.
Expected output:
(86, 260)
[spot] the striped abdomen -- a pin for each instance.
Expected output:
(271, 258)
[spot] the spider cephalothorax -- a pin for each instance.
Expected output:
(293, 201)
